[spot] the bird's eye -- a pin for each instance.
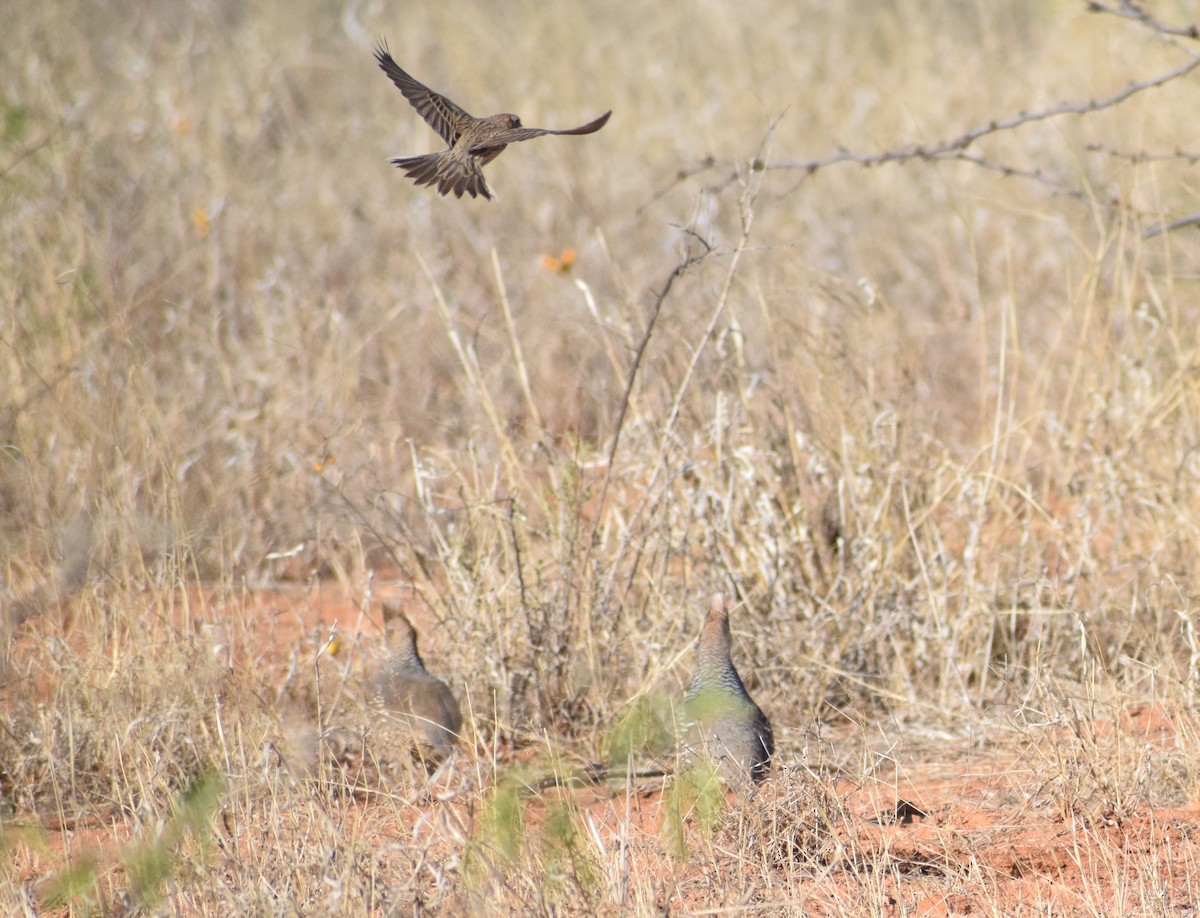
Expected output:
(514, 122)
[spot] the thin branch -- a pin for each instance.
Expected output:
(709, 162)
(1128, 9)
(1140, 156)
(648, 506)
(676, 273)
(950, 149)
(1034, 175)
(1190, 220)
(956, 148)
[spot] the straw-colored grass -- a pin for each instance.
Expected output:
(934, 427)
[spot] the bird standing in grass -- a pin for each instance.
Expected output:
(725, 723)
(474, 142)
(407, 695)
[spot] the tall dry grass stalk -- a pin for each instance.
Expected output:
(936, 426)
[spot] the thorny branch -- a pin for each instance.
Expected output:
(692, 258)
(1129, 9)
(949, 149)
(956, 148)
(1141, 156)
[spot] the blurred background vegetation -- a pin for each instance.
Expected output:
(934, 424)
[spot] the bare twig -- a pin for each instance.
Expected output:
(678, 271)
(653, 495)
(1128, 9)
(1037, 176)
(955, 148)
(950, 149)
(1189, 220)
(1141, 156)
(707, 163)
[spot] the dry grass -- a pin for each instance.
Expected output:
(936, 429)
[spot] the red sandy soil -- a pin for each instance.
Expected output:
(981, 835)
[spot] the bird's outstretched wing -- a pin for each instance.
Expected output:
(442, 115)
(515, 135)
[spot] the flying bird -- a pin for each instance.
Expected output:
(474, 142)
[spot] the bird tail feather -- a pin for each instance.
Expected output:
(448, 173)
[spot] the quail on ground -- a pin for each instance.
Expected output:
(407, 697)
(473, 142)
(724, 723)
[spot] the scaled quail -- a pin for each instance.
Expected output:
(724, 720)
(408, 696)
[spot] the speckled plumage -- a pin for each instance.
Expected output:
(407, 696)
(724, 722)
(473, 142)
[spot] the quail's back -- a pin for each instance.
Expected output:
(725, 722)
(409, 697)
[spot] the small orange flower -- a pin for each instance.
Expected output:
(201, 222)
(561, 264)
(182, 125)
(324, 462)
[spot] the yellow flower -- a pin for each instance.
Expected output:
(201, 222)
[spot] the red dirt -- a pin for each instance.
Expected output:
(983, 838)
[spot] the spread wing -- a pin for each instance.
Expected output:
(442, 115)
(514, 135)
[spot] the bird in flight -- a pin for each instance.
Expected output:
(474, 142)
